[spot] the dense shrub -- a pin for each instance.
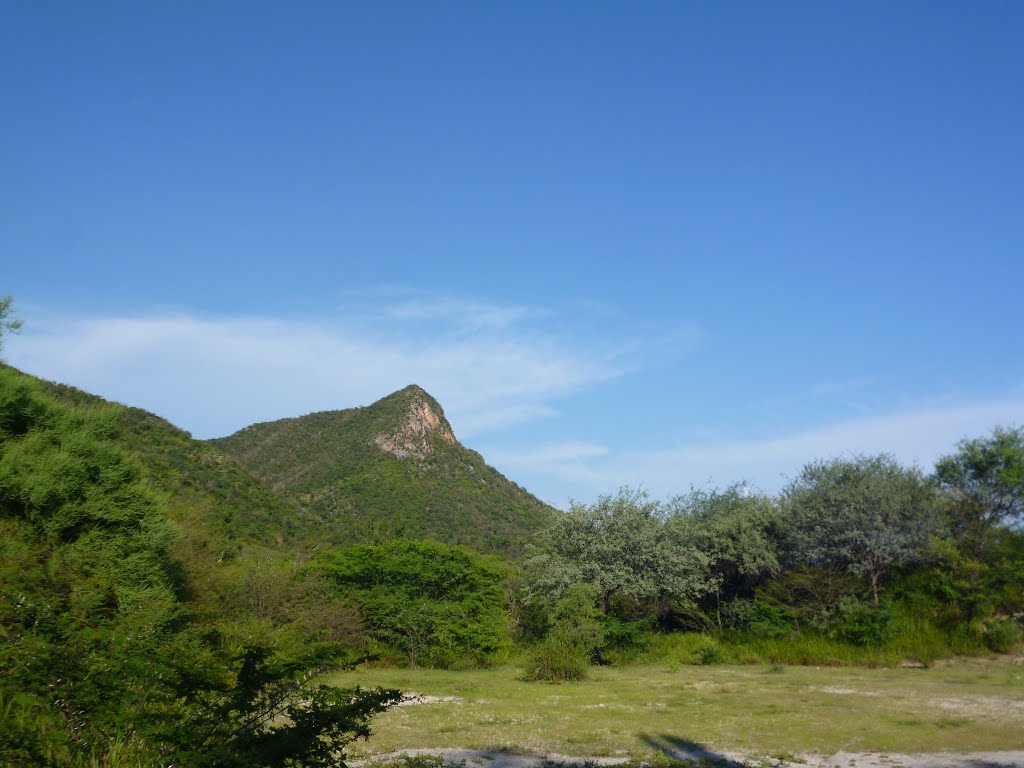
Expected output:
(557, 659)
(709, 652)
(438, 604)
(99, 662)
(1002, 635)
(756, 618)
(625, 638)
(863, 623)
(575, 637)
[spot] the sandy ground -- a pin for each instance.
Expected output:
(936, 760)
(497, 759)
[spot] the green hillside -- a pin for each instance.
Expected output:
(227, 522)
(205, 488)
(111, 652)
(393, 468)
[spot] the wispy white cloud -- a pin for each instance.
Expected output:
(499, 415)
(566, 461)
(450, 315)
(465, 316)
(914, 437)
(214, 375)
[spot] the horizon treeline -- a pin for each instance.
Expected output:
(859, 559)
(861, 552)
(160, 604)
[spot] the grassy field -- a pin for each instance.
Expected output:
(641, 711)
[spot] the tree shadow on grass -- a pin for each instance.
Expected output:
(678, 748)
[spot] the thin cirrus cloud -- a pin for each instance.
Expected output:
(466, 316)
(214, 375)
(567, 461)
(913, 437)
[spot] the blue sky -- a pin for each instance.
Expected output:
(658, 244)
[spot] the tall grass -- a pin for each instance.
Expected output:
(31, 735)
(682, 649)
(912, 639)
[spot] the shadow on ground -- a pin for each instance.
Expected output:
(678, 748)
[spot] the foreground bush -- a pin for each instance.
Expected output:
(439, 605)
(573, 640)
(99, 662)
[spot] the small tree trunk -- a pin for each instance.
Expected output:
(606, 598)
(718, 606)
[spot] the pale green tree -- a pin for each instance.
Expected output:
(733, 530)
(984, 483)
(619, 545)
(8, 323)
(868, 515)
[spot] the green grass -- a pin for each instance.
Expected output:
(918, 642)
(640, 711)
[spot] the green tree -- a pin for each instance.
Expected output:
(733, 530)
(867, 515)
(619, 544)
(984, 482)
(8, 324)
(980, 571)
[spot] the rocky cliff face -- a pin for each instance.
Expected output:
(413, 437)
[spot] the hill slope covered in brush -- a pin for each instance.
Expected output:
(393, 468)
(105, 656)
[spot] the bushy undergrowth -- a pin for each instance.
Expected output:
(910, 639)
(569, 650)
(100, 663)
(574, 634)
(1002, 635)
(430, 604)
(572, 641)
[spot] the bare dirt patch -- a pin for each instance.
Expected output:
(489, 758)
(413, 699)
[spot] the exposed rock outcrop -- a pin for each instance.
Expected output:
(413, 437)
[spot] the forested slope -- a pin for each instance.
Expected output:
(391, 469)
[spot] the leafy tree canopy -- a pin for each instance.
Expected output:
(984, 480)
(734, 530)
(868, 515)
(620, 545)
(96, 651)
(8, 324)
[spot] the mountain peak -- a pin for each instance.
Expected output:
(391, 468)
(424, 419)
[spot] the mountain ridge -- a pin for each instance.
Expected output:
(387, 470)
(391, 468)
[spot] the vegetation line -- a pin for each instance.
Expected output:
(170, 601)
